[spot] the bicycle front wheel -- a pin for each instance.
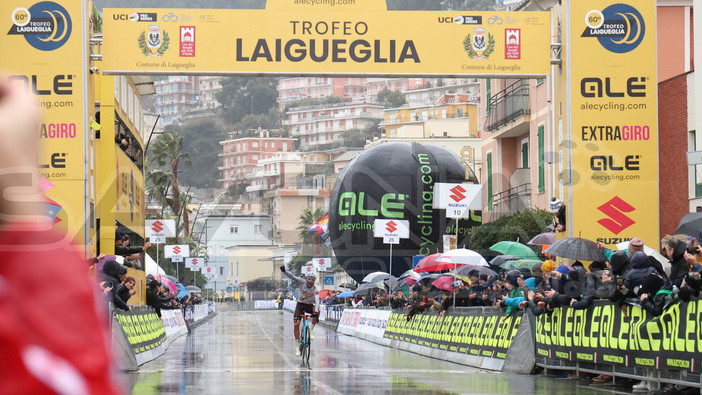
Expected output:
(306, 345)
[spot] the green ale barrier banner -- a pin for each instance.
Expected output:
(480, 335)
(144, 329)
(603, 334)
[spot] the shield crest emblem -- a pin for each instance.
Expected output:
(478, 39)
(154, 41)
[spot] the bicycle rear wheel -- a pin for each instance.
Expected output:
(306, 345)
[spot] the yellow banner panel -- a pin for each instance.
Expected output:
(129, 207)
(325, 40)
(614, 121)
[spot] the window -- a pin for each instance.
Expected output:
(258, 229)
(489, 179)
(221, 270)
(542, 166)
(697, 180)
(234, 229)
(487, 95)
(254, 144)
(525, 153)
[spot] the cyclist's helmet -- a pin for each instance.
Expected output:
(310, 276)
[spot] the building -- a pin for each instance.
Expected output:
(221, 228)
(278, 171)
(449, 116)
(299, 88)
(435, 88)
(175, 95)
(240, 155)
(321, 127)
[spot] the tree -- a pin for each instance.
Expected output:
(393, 98)
(309, 239)
(523, 226)
(201, 141)
(242, 96)
(167, 152)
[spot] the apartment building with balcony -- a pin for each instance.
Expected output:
(518, 169)
(240, 155)
(320, 127)
(278, 171)
(435, 88)
(174, 96)
(298, 88)
(448, 116)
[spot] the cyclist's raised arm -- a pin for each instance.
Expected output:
(292, 276)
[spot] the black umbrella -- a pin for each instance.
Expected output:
(690, 224)
(576, 248)
(500, 259)
(464, 270)
(546, 238)
(348, 285)
(365, 288)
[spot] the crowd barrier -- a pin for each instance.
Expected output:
(265, 304)
(139, 335)
(600, 339)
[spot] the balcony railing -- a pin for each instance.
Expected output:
(508, 105)
(511, 201)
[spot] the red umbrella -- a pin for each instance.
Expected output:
(445, 282)
(430, 263)
(323, 293)
(170, 285)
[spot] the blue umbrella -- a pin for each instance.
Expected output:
(181, 290)
(346, 294)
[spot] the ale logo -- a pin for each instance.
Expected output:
(46, 25)
(615, 209)
(458, 193)
(391, 227)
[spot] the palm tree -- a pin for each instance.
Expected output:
(167, 151)
(306, 220)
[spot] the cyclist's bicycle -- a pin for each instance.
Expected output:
(305, 338)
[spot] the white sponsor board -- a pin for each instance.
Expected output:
(391, 230)
(194, 262)
(458, 199)
(176, 250)
(321, 264)
(160, 227)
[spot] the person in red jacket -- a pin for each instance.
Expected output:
(52, 341)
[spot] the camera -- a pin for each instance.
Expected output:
(548, 275)
(694, 275)
(693, 250)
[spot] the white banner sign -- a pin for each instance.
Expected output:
(307, 269)
(321, 264)
(195, 269)
(194, 262)
(157, 239)
(458, 199)
(391, 230)
(160, 227)
(176, 258)
(176, 250)
(210, 273)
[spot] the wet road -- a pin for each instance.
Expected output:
(253, 352)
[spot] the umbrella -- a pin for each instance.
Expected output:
(392, 283)
(170, 285)
(464, 270)
(546, 238)
(462, 256)
(409, 274)
(323, 293)
(500, 259)
(193, 288)
(429, 264)
(446, 281)
(346, 294)
(514, 248)
(175, 280)
(348, 285)
(375, 277)
(520, 264)
(690, 224)
(181, 290)
(576, 248)
(427, 279)
(365, 288)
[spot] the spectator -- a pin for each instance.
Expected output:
(123, 248)
(126, 289)
(640, 268)
(114, 273)
(655, 294)
(51, 333)
(558, 209)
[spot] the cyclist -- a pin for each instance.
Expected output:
(307, 302)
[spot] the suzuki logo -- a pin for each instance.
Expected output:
(321, 261)
(391, 226)
(176, 250)
(194, 261)
(617, 221)
(157, 226)
(457, 193)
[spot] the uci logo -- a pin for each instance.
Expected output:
(46, 25)
(445, 19)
